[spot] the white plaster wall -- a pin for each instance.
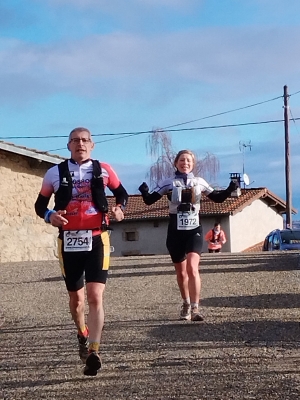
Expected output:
(151, 240)
(252, 225)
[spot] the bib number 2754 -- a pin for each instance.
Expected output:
(187, 220)
(78, 240)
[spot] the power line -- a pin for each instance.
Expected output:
(189, 129)
(293, 94)
(127, 134)
(293, 119)
(167, 129)
(148, 131)
(225, 112)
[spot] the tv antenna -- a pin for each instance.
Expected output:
(243, 146)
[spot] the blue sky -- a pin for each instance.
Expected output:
(128, 66)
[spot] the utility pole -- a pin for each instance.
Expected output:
(287, 159)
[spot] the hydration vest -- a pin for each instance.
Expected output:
(64, 193)
(185, 197)
(181, 193)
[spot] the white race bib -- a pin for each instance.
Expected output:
(78, 240)
(187, 220)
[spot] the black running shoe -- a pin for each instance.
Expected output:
(92, 364)
(83, 348)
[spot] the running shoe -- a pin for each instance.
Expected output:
(92, 364)
(83, 347)
(185, 313)
(195, 315)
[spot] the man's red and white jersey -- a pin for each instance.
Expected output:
(81, 210)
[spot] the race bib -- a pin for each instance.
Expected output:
(187, 220)
(78, 240)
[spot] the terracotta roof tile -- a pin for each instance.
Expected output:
(137, 209)
(255, 248)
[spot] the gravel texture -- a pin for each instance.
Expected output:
(247, 347)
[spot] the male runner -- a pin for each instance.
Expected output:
(80, 214)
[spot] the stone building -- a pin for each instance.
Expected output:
(23, 235)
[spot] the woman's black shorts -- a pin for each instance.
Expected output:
(180, 243)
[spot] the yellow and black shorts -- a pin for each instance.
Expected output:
(91, 266)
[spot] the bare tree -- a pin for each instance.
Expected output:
(207, 167)
(159, 146)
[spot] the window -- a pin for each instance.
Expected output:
(275, 241)
(130, 236)
(290, 236)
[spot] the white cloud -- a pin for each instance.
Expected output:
(231, 60)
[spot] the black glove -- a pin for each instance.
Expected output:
(233, 185)
(143, 188)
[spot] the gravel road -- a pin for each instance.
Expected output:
(248, 347)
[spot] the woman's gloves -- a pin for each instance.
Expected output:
(149, 198)
(144, 189)
(233, 185)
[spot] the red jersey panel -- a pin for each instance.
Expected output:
(81, 210)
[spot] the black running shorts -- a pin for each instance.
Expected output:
(180, 243)
(89, 265)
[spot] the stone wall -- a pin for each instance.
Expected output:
(23, 235)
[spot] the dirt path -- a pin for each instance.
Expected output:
(247, 348)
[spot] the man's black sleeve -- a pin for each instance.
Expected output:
(41, 205)
(121, 195)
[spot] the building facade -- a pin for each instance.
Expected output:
(23, 235)
(245, 219)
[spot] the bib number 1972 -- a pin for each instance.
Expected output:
(187, 220)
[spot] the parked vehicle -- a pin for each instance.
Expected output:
(284, 239)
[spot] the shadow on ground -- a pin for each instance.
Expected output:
(275, 332)
(261, 301)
